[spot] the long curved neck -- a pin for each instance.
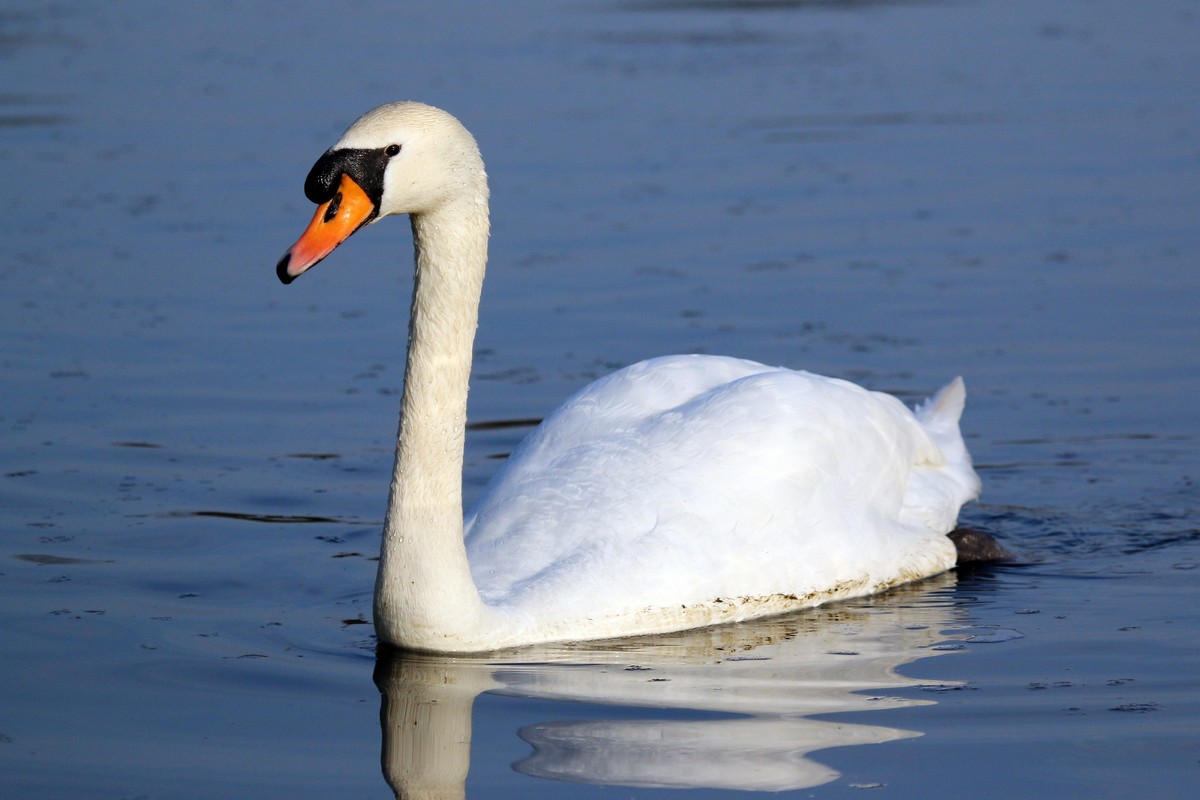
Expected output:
(424, 595)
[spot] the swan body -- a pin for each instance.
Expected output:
(675, 493)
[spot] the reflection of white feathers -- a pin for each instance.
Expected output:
(748, 691)
(678, 492)
(736, 754)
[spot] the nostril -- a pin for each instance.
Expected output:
(334, 204)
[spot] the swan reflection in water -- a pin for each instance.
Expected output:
(770, 676)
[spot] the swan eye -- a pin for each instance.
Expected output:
(391, 150)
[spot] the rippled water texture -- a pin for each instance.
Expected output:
(195, 458)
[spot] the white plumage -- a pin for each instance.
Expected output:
(677, 492)
(684, 479)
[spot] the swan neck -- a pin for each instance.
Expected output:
(424, 596)
(448, 280)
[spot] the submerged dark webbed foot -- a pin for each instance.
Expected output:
(975, 547)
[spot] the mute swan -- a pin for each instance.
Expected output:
(675, 493)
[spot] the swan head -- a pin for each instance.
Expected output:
(399, 158)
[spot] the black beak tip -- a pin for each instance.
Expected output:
(281, 269)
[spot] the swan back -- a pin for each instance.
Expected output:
(698, 484)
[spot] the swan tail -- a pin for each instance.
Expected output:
(939, 416)
(945, 408)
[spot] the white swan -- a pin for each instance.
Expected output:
(675, 493)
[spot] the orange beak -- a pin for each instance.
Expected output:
(335, 220)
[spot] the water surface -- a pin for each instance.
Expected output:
(195, 458)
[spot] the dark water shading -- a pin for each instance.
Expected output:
(502, 424)
(47, 559)
(194, 460)
(272, 518)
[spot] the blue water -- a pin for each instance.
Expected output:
(194, 459)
